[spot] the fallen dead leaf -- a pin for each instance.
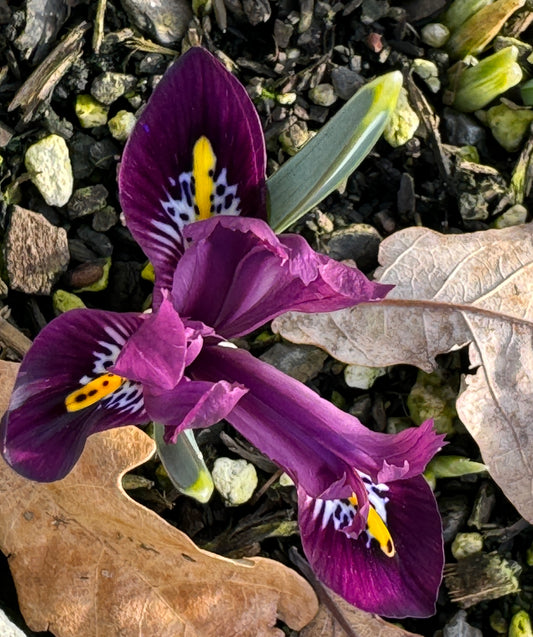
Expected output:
(337, 618)
(452, 290)
(355, 623)
(87, 560)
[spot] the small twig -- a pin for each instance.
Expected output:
(265, 487)
(98, 28)
(431, 122)
(321, 592)
(14, 338)
(39, 86)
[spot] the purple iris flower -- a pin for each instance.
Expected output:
(369, 522)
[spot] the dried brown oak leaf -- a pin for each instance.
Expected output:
(453, 290)
(344, 620)
(87, 560)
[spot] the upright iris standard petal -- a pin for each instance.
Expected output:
(64, 392)
(197, 150)
(402, 585)
(155, 355)
(258, 276)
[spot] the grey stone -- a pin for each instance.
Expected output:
(282, 33)
(86, 201)
(302, 362)
(80, 252)
(104, 219)
(373, 10)
(6, 134)
(109, 86)
(359, 242)
(80, 146)
(463, 130)
(103, 154)
(346, 82)
(458, 627)
(164, 20)
(480, 188)
(8, 628)
(454, 512)
(48, 163)
(96, 241)
(35, 252)
(256, 11)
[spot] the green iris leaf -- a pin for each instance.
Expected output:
(333, 153)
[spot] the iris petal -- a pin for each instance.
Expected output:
(193, 405)
(404, 585)
(196, 99)
(309, 437)
(41, 439)
(258, 276)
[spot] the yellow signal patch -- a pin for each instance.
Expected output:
(203, 171)
(93, 391)
(378, 529)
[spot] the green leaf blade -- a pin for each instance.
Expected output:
(333, 153)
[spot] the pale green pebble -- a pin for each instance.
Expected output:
(427, 71)
(403, 122)
(435, 34)
(520, 625)
(509, 125)
(514, 216)
(323, 95)
(362, 377)
(64, 301)
(466, 544)
(292, 139)
(285, 99)
(90, 112)
(121, 125)
(48, 164)
(430, 397)
(285, 480)
(102, 282)
(235, 480)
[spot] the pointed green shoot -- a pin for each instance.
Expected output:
(184, 464)
(333, 153)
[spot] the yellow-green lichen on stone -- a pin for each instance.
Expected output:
(121, 125)
(403, 122)
(90, 112)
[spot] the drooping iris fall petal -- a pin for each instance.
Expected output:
(197, 150)
(314, 441)
(402, 585)
(64, 392)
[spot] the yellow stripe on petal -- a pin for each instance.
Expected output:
(203, 170)
(377, 528)
(93, 392)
